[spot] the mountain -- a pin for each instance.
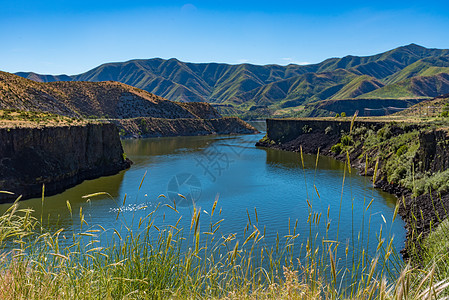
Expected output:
(414, 87)
(363, 107)
(410, 71)
(423, 67)
(94, 99)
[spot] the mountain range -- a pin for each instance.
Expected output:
(406, 73)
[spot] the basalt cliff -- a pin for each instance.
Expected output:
(58, 157)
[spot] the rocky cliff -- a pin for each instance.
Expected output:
(434, 150)
(57, 156)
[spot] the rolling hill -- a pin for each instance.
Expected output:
(107, 99)
(406, 72)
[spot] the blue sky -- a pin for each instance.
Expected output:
(71, 37)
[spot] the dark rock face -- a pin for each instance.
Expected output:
(309, 134)
(59, 157)
(285, 130)
(434, 150)
(157, 127)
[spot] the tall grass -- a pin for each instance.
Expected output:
(150, 261)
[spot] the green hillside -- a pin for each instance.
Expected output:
(414, 87)
(424, 67)
(358, 86)
(300, 89)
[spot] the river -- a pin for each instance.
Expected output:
(244, 179)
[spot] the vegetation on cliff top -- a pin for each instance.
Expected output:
(394, 147)
(19, 118)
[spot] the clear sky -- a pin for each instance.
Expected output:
(73, 36)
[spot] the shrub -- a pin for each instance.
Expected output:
(360, 130)
(306, 129)
(384, 133)
(346, 140)
(337, 148)
(403, 149)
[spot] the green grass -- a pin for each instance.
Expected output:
(423, 67)
(436, 250)
(398, 90)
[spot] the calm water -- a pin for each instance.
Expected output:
(243, 178)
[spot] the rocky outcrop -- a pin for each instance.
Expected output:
(434, 150)
(137, 112)
(58, 156)
(157, 127)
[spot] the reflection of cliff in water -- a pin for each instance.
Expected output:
(164, 146)
(289, 159)
(55, 207)
(259, 125)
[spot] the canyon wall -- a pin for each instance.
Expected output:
(57, 156)
(434, 150)
(285, 130)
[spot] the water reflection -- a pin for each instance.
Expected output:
(259, 125)
(54, 210)
(164, 146)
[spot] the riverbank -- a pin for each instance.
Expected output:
(406, 158)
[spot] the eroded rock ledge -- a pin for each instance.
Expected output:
(159, 127)
(57, 156)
